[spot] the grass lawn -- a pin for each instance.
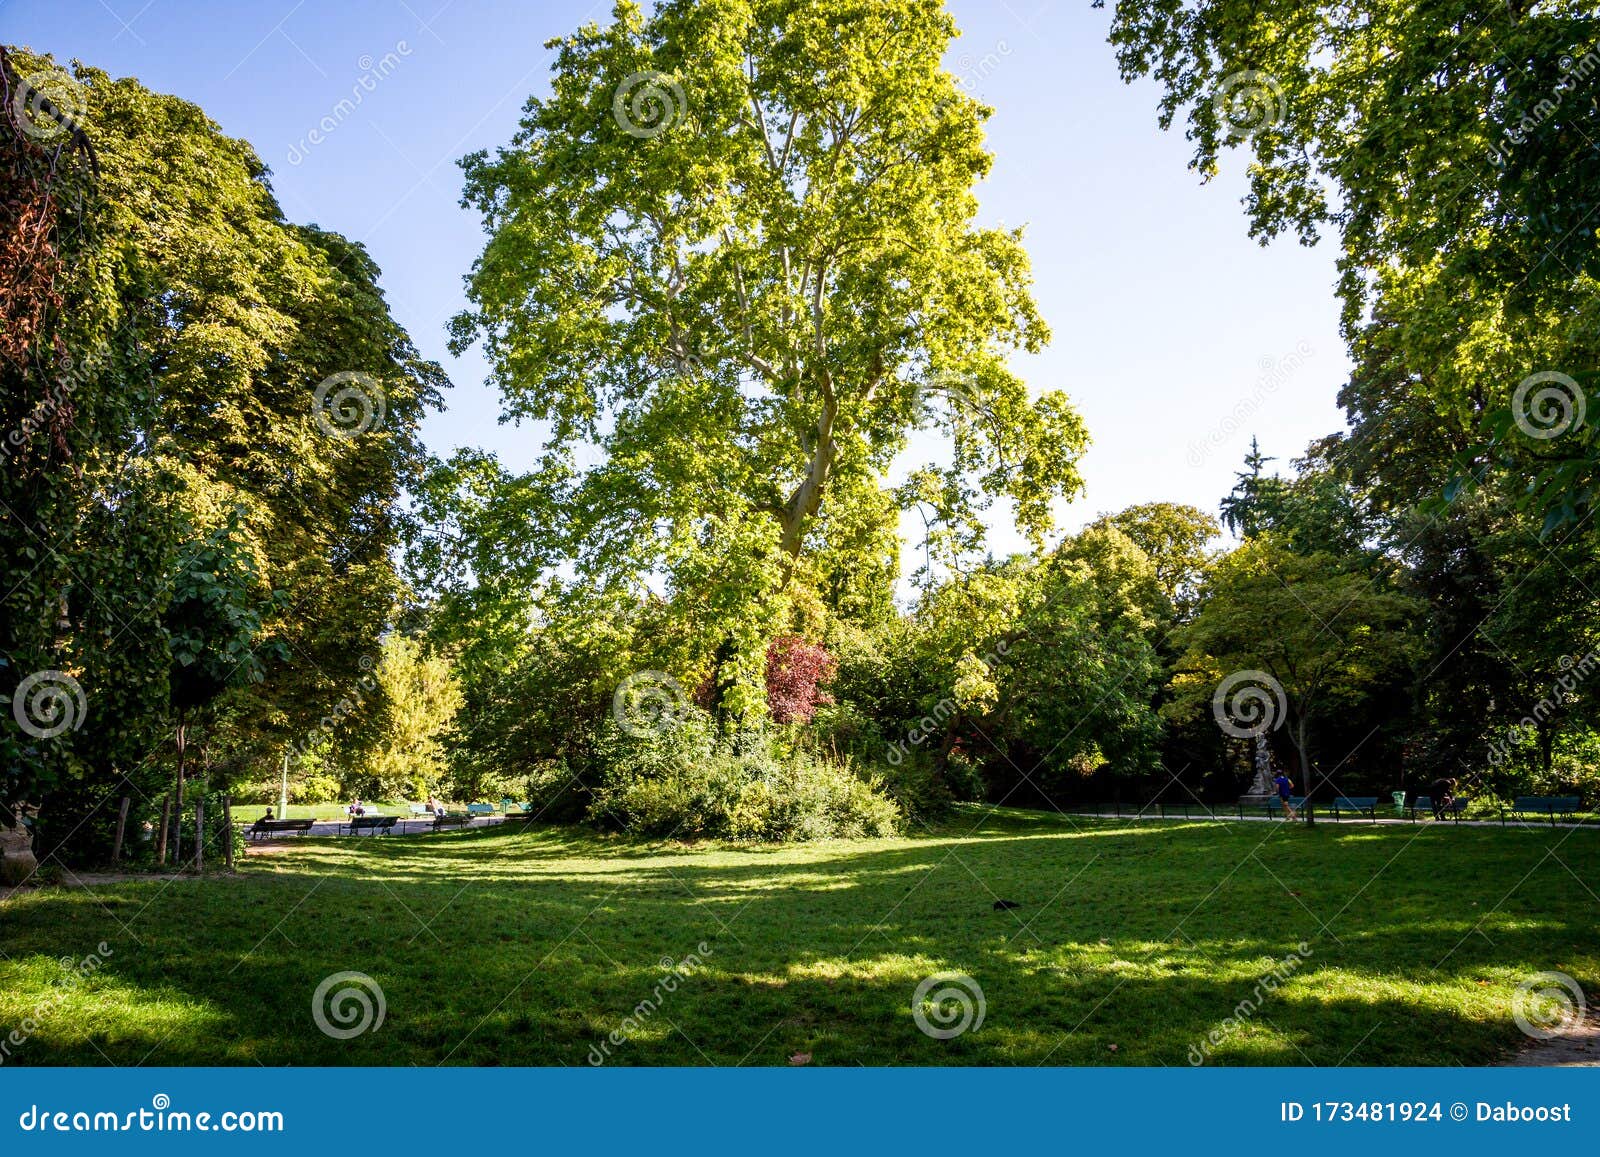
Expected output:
(499, 947)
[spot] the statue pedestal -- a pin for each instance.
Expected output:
(1258, 799)
(16, 855)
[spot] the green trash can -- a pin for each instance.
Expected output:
(1399, 802)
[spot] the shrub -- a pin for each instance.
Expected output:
(685, 782)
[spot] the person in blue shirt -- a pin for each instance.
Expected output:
(1284, 788)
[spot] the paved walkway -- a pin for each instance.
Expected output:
(1233, 817)
(404, 826)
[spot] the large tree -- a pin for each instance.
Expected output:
(1453, 149)
(733, 260)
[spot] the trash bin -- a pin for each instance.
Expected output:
(1399, 802)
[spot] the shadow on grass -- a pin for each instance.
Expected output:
(534, 947)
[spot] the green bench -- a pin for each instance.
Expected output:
(375, 825)
(1275, 807)
(1424, 803)
(1366, 805)
(1551, 806)
(480, 809)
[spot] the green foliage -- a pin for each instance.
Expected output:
(1449, 148)
(682, 781)
(767, 277)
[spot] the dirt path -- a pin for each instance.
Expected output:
(1579, 1048)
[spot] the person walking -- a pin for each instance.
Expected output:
(1285, 789)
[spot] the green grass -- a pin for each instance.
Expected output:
(499, 947)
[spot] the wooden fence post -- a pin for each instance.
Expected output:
(200, 834)
(161, 841)
(227, 832)
(122, 826)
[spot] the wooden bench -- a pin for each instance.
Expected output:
(1544, 805)
(1424, 803)
(451, 820)
(274, 827)
(378, 825)
(1366, 805)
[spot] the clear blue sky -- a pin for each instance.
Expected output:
(1176, 335)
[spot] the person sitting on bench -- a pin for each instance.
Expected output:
(1442, 789)
(356, 809)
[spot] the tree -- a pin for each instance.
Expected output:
(420, 698)
(1289, 638)
(735, 252)
(1450, 147)
(1174, 538)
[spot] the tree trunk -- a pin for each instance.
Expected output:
(177, 812)
(161, 839)
(200, 834)
(227, 832)
(122, 826)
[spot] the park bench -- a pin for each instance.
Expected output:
(1274, 808)
(420, 809)
(451, 820)
(1424, 803)
(480, 809)
(1366, 805)
(1183, 805)
(1543, 805)
(274, 827)
(377, 825)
